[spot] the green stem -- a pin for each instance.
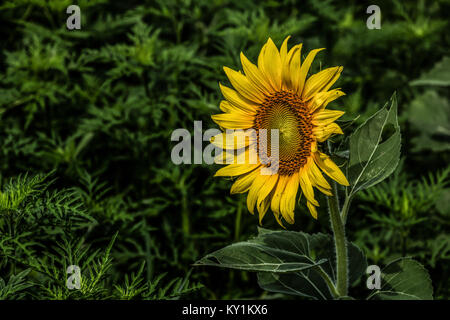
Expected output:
(345, 207)
(338, 226)
(237, 224)
(340, 243)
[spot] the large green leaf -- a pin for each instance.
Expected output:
(438, 76)
(404, 279)
(278, 251)
(374, 149)
(288, 262)
(307, 283)
(310, 283)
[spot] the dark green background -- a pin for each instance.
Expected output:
(93, 111)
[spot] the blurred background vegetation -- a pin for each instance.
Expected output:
(85, 124)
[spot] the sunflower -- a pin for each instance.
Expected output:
(276, 94)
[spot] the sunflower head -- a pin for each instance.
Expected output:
(276, 96)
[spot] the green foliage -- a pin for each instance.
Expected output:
(374, 149)
(11, 289)
(277, 252)
(438, 76)
(289, 262)
(85, 124)
(407, 199)
(429, 112)
(404, 279)
(33, 218)
(429, 115)
(314, 283)
(412, 205)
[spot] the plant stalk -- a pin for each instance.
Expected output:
(338, 226)
(237, 224)
(340, 244)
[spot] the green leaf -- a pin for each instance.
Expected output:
(404, 279)
(438, 76)
(439, 248)
(16, 285)
(374, 149)
(429, 115)
(289, 262)
(278, 251)
(310, 283)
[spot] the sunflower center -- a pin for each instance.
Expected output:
(286, 112)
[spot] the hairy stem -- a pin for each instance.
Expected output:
(340, 243)
(237, 224)
(338, 226)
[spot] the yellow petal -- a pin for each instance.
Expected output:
(330, 168)
(322, 99)
(240, 156)
(263, 195)
(325, 191)
(322, 133)
(313, 146)
(244, 182)
(325, 117)
(291, 72)
(279, 189)
(277, 217)
(305, 68)
(227, 107)
(261, 66)
(316, 177)
(271, 64)
(244, 86)
(276, 197)
(235, 170)
(267, 187)
(255, 75)
(283, 49)
(312, 209)
(321, 81)
(262, 208)
(287, 204)
(238, 100)
(254, 191)
(284, 64)
(234, 139)
(307, 188)
(233, 120)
